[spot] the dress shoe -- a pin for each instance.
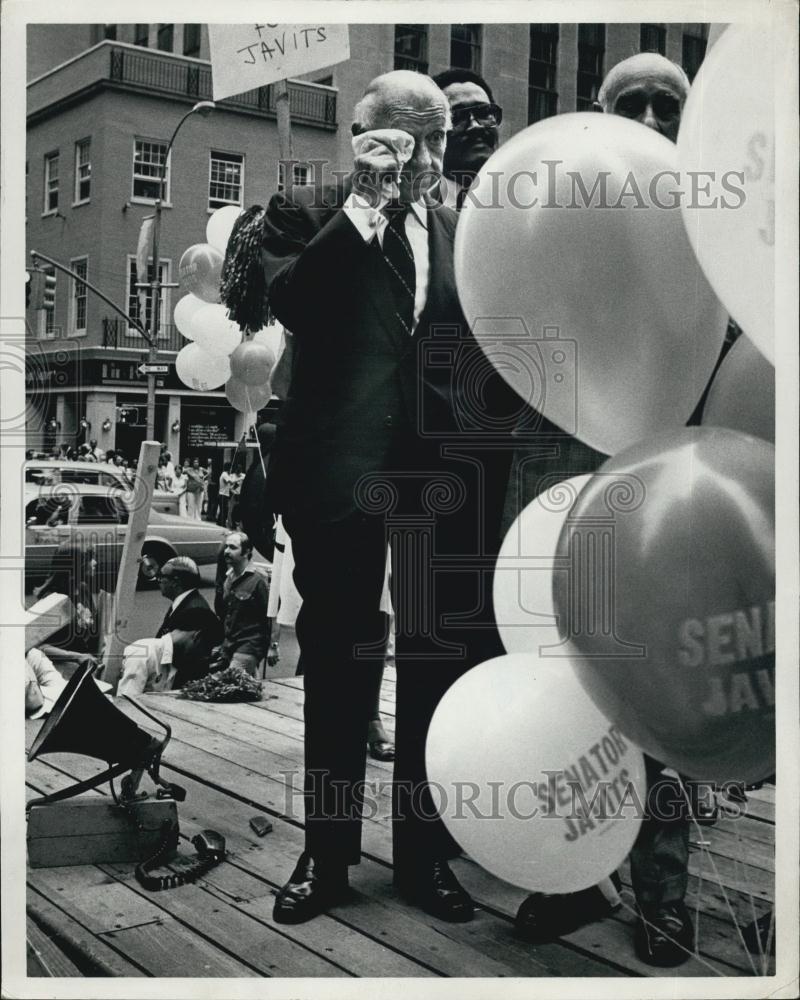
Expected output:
(543, 917)
(435, 889)
(664, 935)
(309, 891)
(381, 749)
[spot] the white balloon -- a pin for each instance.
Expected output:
(503, 746)
(220, 226)
(728, 129)
(185, 310)
(271, 336)
(214, 331)
(742, 395)
(523, 575)
(584, 294)
(200, 370)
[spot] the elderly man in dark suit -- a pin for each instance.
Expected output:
(181, 649)
(380, 443)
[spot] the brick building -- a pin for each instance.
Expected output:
(102, 102)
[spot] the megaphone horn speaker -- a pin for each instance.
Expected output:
(84, 721)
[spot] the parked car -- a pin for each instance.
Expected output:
(48, 472)
(59, 512)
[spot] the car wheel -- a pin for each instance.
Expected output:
(153, 558)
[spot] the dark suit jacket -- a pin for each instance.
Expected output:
(365, 397)
(192, 657)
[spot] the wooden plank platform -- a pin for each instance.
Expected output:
(239, 759)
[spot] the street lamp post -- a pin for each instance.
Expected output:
(203, 108)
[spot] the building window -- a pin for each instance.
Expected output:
(83, 170)
(140, 300)
(542, 61)
(50, 183)
(165, 37)
(302, 173)
(110, 32)
(465, 46)
(191, 39)
(79, 296)
(411, 47)
(141, 34)
(148, 160)
(653, 38)
(225, 172)
(695, 42)
(591, 50)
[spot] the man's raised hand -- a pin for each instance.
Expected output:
(379, 156)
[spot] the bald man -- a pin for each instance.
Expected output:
(362, 273)
(647, 88)
(651, 90)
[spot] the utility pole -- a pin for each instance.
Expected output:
(155, 286)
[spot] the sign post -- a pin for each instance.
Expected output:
(128, 574)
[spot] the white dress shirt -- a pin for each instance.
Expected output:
(371, 222)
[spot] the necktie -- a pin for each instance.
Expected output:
(399, 256)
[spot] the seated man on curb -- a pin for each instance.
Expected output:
(243, 604)
(181, 649)
(650, 89)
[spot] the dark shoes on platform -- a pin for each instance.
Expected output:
(543, 917)
(664, 935)
(310, 891)
(381, 749)
(435, 889)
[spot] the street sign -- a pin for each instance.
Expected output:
(146, 369)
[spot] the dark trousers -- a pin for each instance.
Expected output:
(222, 510)
(443, 552)
(660, 855)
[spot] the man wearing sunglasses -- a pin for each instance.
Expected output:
(181, 649)
(473, 136)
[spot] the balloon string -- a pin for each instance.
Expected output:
(697, 906)
(718, 877)
(692, 954)
(763, 952)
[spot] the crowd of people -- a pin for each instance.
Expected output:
(201, 493)
(370, 264)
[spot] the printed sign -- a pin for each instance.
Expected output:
(245, 56)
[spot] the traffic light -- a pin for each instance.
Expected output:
(34, 290)
(49, 290)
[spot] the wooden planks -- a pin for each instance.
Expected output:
(238, 759)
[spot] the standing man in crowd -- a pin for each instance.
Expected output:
(474, 132)
(362, 273)
(652, 90)
(242, 601)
